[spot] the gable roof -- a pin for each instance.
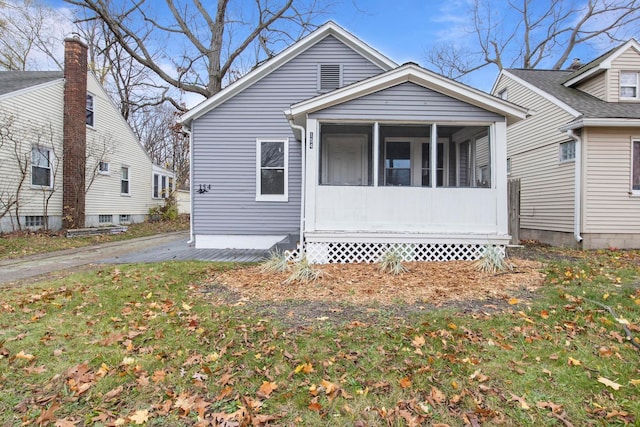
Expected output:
(413, 73)
(12, 81)
(600, 64)
(550, 84)
(328, 29)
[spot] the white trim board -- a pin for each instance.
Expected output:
(220, 241)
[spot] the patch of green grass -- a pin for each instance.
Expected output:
(158, 344)
(20, 244)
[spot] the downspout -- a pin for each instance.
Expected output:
(577, 198)
(191, 198)
(303, 137)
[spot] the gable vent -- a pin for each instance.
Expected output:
(330, 76)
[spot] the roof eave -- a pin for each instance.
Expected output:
(600, 122)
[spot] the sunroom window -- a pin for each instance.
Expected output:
(346, 155)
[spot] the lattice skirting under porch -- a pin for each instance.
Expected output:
(347, 252)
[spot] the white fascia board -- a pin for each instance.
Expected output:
(545, 95)
(600, 122)
(604, 65)
(328, 29)
(408, 73)
(31, 88)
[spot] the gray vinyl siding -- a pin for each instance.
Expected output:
(547, 186)
(224, 144)
(407, 102)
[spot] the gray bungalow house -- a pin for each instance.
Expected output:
(333, 143)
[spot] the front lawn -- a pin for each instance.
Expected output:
(166, 344)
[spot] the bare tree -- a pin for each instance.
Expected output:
(14, 169)
(165, 141)
(196, 48)
(30, 35)
(532, 34)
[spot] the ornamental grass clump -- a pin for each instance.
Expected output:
(276, 263)
(493, 260)
(303, 272)
(391, 262)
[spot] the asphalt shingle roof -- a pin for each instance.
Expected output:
(11, 81)
(550, 81)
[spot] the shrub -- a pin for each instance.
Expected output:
(303, 272)
(492, 260)
(276, 263)
(391, 262)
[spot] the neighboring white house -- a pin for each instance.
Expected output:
(578, 154)
(333, 143)
(34, 140)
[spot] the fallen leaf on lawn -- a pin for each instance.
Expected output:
(574, 362)
(305, 368)
(635, 382)
(113, 393)
(418, 341)
(523, 403)
(141, 416)
(437, 395)
(266, 389)
(513, 301)
(544, 314)
(479, 376)
(609, 383)
(25, 356)
(550, 405)
(405, 382)
(314, 406)
(158, 376)
(186, 306)
(65, 422)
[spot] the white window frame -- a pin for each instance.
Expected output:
(105, 219)
(632, 191)
(92, 109)
(272, 197)
(128, 180)
(636, 86)
(561, 158)
(49, 151)
(106, 170)
(504, 94)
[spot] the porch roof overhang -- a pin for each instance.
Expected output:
(412, 73)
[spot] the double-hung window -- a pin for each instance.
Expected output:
(629, 84)
(41, 171)
(567, 151)
(272, 159)
(635, 166)
(124, 181)
(90, 110)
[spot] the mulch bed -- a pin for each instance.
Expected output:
(433, 283)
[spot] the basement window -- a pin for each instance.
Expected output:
(34, 221)
(105, 219)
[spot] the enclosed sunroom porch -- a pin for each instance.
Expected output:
(393, 163)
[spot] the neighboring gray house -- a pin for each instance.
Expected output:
(330, 142)
(578, 154)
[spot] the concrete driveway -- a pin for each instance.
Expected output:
(163, 247)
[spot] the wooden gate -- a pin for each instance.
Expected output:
(513, 205)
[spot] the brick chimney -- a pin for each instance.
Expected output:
(75, 133)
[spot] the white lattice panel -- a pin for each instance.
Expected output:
(347, 252)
